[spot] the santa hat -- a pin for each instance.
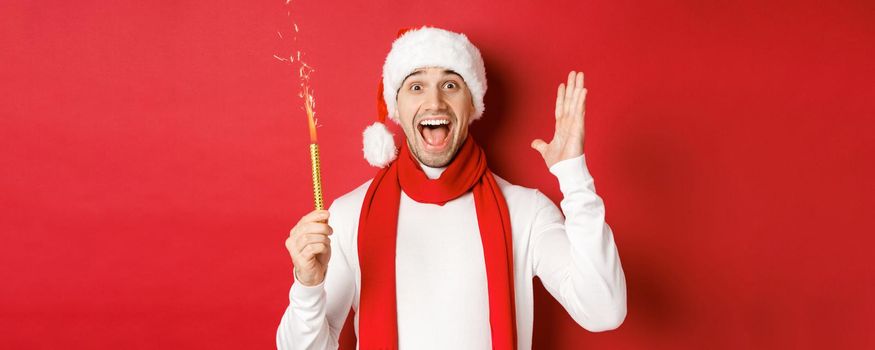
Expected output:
(414, 49)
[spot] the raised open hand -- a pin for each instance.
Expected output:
(567, 140)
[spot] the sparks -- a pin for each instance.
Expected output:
(311, 118)
(304, 71)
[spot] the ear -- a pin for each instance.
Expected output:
(473, 110)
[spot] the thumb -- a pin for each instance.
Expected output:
(539, 145)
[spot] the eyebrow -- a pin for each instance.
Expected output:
(418, 72)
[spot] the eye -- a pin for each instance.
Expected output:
(415, 87)
(450, 85)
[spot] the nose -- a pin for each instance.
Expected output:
(434, 100)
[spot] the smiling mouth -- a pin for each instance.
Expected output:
(435, 132)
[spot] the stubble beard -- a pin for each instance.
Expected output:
(433, 160)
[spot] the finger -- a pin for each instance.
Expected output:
(302, 242)
(316, 215)
(571, 76)
(582, 102)
(578, 107)
(569, 88)
(581, 105)
(321, 228)
(312, 249)
(316, 238)
(315, 228)
(576, 96)
(539, 145)
(578, 104)
(289, 243)
(560, 99)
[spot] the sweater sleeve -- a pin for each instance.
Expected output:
(575, 256)
(316, 314)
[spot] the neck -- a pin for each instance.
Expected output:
(431, 172)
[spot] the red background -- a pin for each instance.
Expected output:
(154, 158)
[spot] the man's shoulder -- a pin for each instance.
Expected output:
(526, 205)
(519, 194)
(350, 202)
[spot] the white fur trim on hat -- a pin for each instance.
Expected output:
(433, 47)
(379, 146)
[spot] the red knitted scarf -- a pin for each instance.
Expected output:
(378, 225)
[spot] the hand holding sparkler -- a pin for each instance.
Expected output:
(310, 247)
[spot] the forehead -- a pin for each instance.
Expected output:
(433, 71)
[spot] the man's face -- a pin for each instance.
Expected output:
(434, 107)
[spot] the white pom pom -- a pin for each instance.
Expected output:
(379, 146)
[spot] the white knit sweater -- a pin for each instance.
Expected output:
(440, 270)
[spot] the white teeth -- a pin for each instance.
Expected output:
(434, 122)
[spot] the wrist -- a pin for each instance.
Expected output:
(311, 282)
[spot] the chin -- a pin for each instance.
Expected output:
(437, 163)
(434, 160)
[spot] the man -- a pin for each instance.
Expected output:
(437, 252)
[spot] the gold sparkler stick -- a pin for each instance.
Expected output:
(317, 177)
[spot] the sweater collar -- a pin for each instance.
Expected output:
(432, 173)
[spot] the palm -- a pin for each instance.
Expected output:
(567, 140)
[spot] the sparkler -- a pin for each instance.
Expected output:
(314, 151)
(304, 71)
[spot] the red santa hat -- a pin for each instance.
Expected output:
(414, 49)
